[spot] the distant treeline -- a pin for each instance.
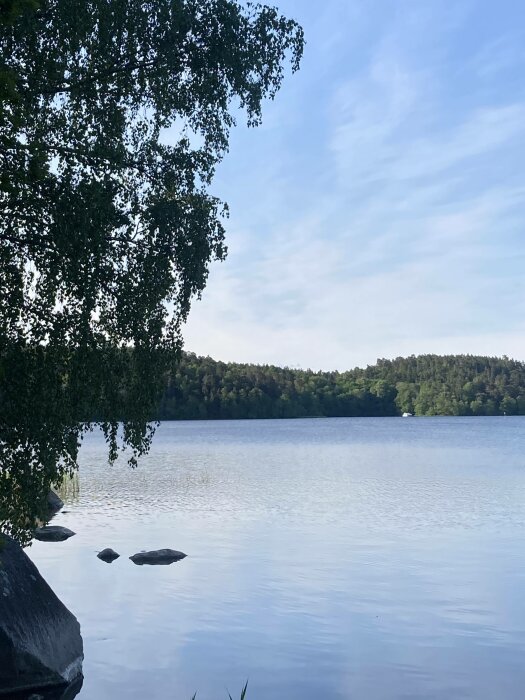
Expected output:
(428, 385)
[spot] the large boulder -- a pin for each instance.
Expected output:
(54, 502)
(62, 692)
(160, 556)
(53, 533)
(40, 642)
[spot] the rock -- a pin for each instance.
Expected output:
(54, 502)
(57, 693)
(53, 533)
(40, 642)
(108, 555)
(159, 557)
(70, 692)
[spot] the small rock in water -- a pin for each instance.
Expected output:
(108, 555)
(53, 533)
(158, 557)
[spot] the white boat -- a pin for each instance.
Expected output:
(408, 415)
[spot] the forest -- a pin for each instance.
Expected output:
(427, 385)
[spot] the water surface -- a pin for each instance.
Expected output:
(327, 559)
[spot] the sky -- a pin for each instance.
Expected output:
(379, 210)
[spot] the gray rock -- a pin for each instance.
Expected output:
(108, 555)
(61, 692)
(40, 642)
(53, 533)
(68, 693)
(158, 557)
(54, 502)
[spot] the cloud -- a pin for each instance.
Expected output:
(392, 228)
(500, 55)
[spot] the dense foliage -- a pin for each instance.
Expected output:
(200, 387)
(107, 225)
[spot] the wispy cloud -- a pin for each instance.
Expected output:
(384, 215)
(502, 54)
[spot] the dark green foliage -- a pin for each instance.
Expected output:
(107, 229)
(199, 387)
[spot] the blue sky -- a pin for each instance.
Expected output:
(379, 210)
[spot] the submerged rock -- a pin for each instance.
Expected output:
(53, 533)
(158, 557)
(40, 642)
(108, 555)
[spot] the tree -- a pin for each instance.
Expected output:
(508, 405)
(406, 396)
(107, 224)
(450, 385)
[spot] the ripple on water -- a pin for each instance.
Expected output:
(338, 558)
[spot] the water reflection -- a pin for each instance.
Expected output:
(367, 558)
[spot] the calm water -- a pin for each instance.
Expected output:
(336, 558)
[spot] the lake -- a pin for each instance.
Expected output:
(351, 558)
